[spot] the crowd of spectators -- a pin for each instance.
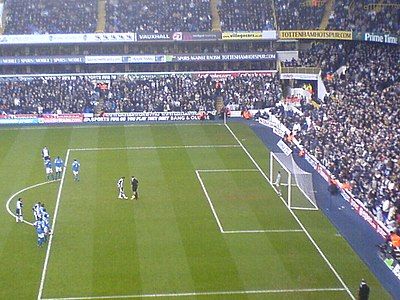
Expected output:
(155, 16)
(247, 15)
(158, 16)
(299, 14)
(355, 130)
(353, 15)
(40, 95)
(179, 92)
(182, 92)
(50, 16)
(328, 56)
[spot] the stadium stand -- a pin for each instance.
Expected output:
(181, 92)
(328, 56)
(50, 16)
(246, 15)
(356, 15)
(158, 16)
(37, 95)
(297, 14)
(353, 132)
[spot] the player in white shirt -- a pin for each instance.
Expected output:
(45, 153)
(277, 183)
(120, 185)
(18, 211)
(36, 211)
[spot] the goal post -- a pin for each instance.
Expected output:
(293, 184)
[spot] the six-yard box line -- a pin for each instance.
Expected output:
(238, 145)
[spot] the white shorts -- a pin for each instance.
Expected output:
(41, 235)
(49, 171)
(46, 230)
(58, 169)
(75, 173)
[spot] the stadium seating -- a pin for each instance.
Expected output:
(33, 17)
(166, 93)
(158, 16)
(352, 15)
(246, 15)
(50, 16)
(294, 14)
(47, 96)
(354, 132)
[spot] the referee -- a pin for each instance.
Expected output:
(134, 185)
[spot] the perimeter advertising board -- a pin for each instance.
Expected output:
(315, 35)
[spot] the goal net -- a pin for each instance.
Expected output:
(293, 183)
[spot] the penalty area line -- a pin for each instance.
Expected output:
(221, 229)
(313, 242)
(227, 170)
(156, 147)
(263, 231)
(192, 294)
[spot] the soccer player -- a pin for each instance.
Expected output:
(45, 153)
(36, 210)
(49, 170)
(18, 211)
(40, 233)
(134, 185)
(75, 169)
(59, 164)
(120, 185)
(46, 223)
(277, 183)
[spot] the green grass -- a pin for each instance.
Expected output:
(169, 240)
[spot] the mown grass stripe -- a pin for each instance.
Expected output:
(220, 293)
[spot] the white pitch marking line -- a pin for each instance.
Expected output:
(156, 147)
(221, 229)
(21, 191)
(228, 170)
(264, 231)
(295, 217)
(46, 261)
(203, 294)
(304, 208)
(239, 231)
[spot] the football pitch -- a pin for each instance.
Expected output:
(207, 224)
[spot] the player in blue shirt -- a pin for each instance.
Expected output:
(46, 223)
(49, 169)
(75, 169)
(40, 233)
(59, 164)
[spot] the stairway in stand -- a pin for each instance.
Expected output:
(101, 16)
(99, 107)
(330, 4)
(215, 19)
(219, 104)
(3, 18)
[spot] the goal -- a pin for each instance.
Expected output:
(295, 185)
